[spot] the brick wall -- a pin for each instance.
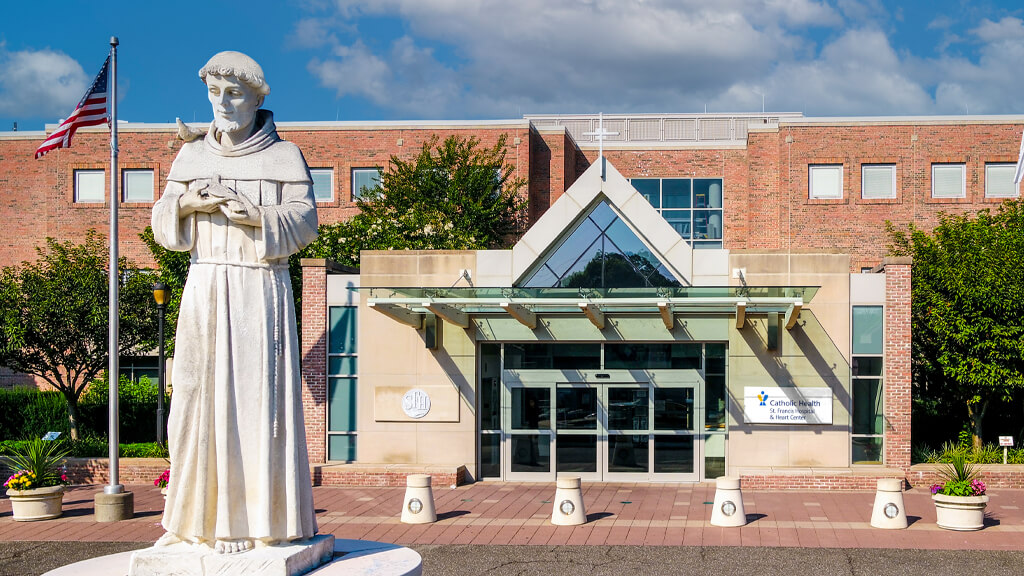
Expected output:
(314, 357)
(897, 404)
(38, 198)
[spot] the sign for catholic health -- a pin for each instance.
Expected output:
(787, 405)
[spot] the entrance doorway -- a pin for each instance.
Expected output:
(617, 425)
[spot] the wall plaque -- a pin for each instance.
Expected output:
(416, 403)
(788, 405)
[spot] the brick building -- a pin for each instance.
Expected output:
(714, 298)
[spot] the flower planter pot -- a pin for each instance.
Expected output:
(37, 503)
(960, 512)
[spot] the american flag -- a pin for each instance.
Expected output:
(91, 111)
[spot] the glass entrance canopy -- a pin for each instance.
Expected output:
(456, 305)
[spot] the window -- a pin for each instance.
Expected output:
(999, 180)
(342, 383)
(323, 184)
(137, 185)
(693, 206)
(601, 252)
(948, 181)
(89, 186)
(877, 181)
(867, 389)
(825, 181)
(363, 178)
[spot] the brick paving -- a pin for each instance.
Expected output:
(618, 514)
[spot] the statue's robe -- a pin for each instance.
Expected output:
(239, 466)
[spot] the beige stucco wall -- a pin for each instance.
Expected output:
(815, 353)
(393, 359)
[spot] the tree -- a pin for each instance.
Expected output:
(453, 196)
(53, 316)
(968, 307)
(172, 270)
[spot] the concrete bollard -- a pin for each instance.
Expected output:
(728, 509)
(114, 507)
(888, 511)
(418, 507)
(567, 509)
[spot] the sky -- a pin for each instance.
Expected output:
(501, 59)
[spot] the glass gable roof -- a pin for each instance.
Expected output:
(601, 252)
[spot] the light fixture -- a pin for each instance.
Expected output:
(567, 507)
(415, 506)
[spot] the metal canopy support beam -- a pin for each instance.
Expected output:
(399, 314)
(792, 314)
(450, 314)
(741, 314)
(668, 315)
(593, 311)
(524, 315)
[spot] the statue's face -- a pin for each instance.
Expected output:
(234, 103)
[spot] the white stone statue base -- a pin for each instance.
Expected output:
(182, 559)
(351, 558)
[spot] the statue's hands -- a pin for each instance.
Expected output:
(215, 189)
(241, 211)
(197, 199)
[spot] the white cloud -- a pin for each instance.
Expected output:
(991, 85)
(502, 59)
(39, 83)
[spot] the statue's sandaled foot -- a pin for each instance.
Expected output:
(232, 546)
(167, 539)
(266, 542)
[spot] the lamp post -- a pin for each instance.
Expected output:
(160, 293)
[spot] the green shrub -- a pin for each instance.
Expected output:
(93, 447)
(30, 413)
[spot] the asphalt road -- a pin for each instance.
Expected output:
(35, 558)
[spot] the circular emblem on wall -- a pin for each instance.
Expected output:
(416, 403)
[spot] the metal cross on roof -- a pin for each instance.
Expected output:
(600, 134)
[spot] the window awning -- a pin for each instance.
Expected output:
(459, 305)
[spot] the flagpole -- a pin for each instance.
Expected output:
(113, 371)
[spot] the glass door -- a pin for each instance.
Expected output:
(651, 433)
(628, 425)
(622, 430)
(529, 435)
(578, 429)
(674, 423)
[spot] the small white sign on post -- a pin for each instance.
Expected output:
(49, 436)
(1006, 442)
(789, 405)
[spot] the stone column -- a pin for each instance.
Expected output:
(897, 362)
(314, 357)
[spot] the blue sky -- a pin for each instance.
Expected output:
(462, 59)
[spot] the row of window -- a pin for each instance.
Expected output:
(138, 185)
(878, 181)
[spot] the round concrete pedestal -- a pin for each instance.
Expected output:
(114, 507)
(352, 558)
(888, 511)
(567, 509)
(418, 506)
(728, 509)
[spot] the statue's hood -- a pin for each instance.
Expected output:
(263, 156)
